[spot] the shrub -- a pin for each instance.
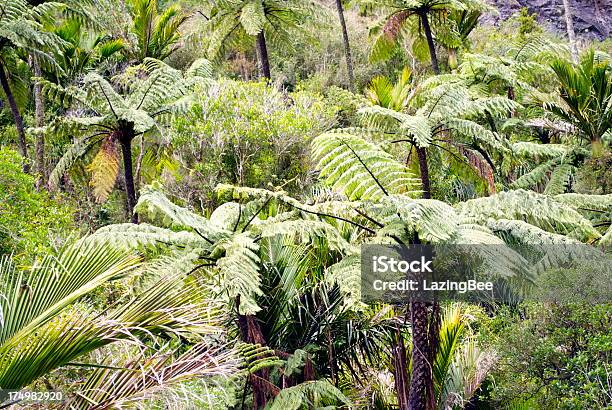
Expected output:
(30, 222)
(248, 134)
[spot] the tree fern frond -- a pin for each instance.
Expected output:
(104, 169)
(358, 168)
(601, 203)
(306, 231)
(74, 154)
(144, 236)
(316, 393)
(537, 209)
(559, 179)
(252, 17)
(532, 149)
(477, 132)
(157, 207)
(536, 175)
(239, 268)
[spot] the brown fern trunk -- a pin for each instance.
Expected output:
(23, 148)
(434, 341)
(125, 139)
(400, 371)
(424, 169)
(39, 106)
(430, 42)
(262, 56)
(424, 343)
(347, 45)
(250, 332)
(421, 379)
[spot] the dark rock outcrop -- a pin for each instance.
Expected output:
(592, 18)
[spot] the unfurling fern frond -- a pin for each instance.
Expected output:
(104, 169)
(358, 168)
(256, 357)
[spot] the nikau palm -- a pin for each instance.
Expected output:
(116, 120)
(157, 32)
(42, 329)
(586, 96)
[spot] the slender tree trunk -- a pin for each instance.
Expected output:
(430, 43)
(400, 371)
(125, 139)
(347, 45)
(421, 367)
(262, 56)
(39, 105)
(23, 148)
(571, 34)
(425, 182)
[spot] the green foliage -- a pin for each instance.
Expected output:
(41, 330)
(157, 33)
(115, 117)
(31, 222)
(249, 134)
(234, 22)
(557, 356)
(319, 393)
(586, 95)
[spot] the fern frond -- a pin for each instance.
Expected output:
(536, 175)
(358, 168)
(314, 393)
(477, 132)
(532, 149)
(306, 231)
(144, 236)
(73, 155)
(239, 268)
(104, 169)
(559, 179)
(540, 210)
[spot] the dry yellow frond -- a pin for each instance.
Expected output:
(104, 169)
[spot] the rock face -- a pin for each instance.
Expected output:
(592, 18)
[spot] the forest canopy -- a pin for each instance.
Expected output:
(191, 193)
